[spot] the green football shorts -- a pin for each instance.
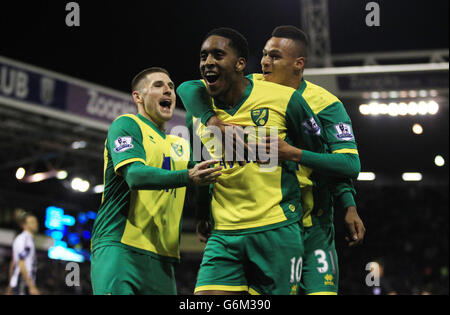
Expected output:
(320, 270)
(116, 270)
(267, 262)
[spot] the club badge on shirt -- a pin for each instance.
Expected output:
(123, 144)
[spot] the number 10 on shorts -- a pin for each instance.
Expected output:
(296, 269)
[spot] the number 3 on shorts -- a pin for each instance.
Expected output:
(296, 269)
(321, 259)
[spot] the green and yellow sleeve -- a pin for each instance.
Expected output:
(196, 100)
(338, 129)
(343, 192)
(124, 143)
(143, 177)
(313, 140)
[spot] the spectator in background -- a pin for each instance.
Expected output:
(24, 263)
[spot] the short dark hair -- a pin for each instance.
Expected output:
(143, 74)
(294, 33)
(237, 41)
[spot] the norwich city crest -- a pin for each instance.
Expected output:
(178, 149)
(260, 116)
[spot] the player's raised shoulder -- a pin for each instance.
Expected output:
(318, 98)
(124, 121)
(271, 87)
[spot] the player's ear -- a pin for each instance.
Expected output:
(241, 64)
(299, 64)
(137, 98)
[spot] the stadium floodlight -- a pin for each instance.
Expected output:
(412, 177)
(417, 129)
(423, 93)
(403, 94)
(99, 189)
(393, 94)
(423, 108)
(439, 161)
(413, 108)
(76, 183)
(84, 186)
(413, 94)
(80, 185)
(393, 109)
(79, 145)
(375, 95)
(374, 109)
(20, 173)
(383, 109)
(366, 176)
(364, 109)
(38, 177)
(434, 93)
(432, 108)
(61, 175)
(403, 109)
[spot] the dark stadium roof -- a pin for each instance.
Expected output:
(117, 39)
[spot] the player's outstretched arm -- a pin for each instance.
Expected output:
(339, 165)
(302, 126)
(143, 177)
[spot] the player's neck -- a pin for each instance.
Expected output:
(232, 97)
(296, 81)
(161, 125)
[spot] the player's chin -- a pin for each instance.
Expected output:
(165, 113)
(213, 90)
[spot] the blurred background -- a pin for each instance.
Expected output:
(61, 87)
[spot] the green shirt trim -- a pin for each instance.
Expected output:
(302, 87)
(244, 97)
(152, 125)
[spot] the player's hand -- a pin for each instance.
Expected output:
(279, 149)
(355, 227)
(204, 175)
(203, 230)
(236, 138)
(34, 291)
